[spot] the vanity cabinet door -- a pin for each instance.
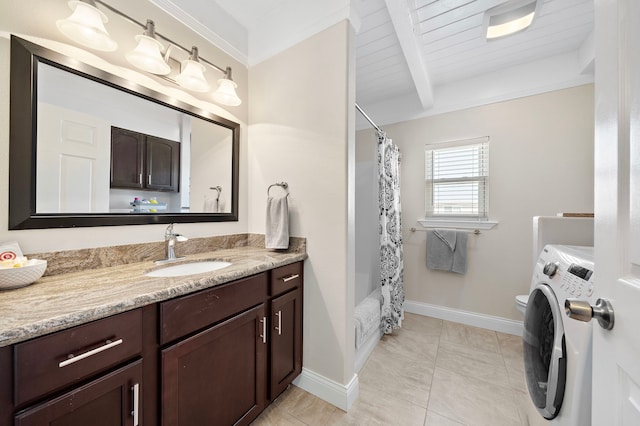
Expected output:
(218, 376)
(286, 341)
(111, 400)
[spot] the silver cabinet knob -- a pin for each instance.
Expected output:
(583, 311)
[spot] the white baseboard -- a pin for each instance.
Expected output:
(342, 396)
(363, 352)
(489, 322)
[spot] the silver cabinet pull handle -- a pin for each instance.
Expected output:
(71, 358)
(140, 178)
(290, 277)
(136, 401)
(264, 329)
(149, 179)
(279, 327)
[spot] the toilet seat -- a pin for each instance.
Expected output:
(521, 302)
(522, 299)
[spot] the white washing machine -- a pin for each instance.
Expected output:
(557, 349)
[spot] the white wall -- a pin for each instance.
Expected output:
(36, 19)
(541, 163)
(300, 129)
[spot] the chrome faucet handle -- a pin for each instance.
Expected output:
(168, 233)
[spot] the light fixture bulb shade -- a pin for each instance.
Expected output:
(192, 76)
(226, 93)
(147, 56)
(85, 26)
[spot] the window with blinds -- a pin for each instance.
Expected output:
(457, 179)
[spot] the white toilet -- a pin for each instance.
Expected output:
(521, 303)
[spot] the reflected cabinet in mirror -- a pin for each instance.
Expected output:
(88, 148)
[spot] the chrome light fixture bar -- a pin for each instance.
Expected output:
(86, 27)
(510, 18)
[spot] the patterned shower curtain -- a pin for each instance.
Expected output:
(391, 264)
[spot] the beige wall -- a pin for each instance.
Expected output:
(37, 19)
(298, 133)
(541, 163)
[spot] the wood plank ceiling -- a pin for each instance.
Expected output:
(447, 37)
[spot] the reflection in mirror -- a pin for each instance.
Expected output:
(68, 159)
(74, 163)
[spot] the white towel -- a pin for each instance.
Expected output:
(277, 224)
(211, 205)
(366, 316)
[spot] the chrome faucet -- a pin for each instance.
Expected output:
(171, 237)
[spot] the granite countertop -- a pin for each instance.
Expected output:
(57, 302)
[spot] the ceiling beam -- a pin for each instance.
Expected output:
(587, 54)
(403, 25)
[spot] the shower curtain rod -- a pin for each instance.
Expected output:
(368, 119)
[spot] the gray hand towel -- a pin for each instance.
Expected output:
(447, 250)
(460, 253)
(277, 224)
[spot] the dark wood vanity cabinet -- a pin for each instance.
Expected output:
(218, 375)
(90, 374)
(227, 371)
(110, 400)
(214, 357)
(145, 162)
(286, 327)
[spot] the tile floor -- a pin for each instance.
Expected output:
(429, 373)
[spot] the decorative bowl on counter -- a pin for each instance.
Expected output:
(22, 276)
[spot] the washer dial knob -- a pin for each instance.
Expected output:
(550, 269)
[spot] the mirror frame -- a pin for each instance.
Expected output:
(25, 57)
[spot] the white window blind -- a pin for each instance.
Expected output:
(457, 179)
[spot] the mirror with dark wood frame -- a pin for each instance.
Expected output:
(88, 148)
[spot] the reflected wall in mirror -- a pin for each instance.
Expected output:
(64, 115)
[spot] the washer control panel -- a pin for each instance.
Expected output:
(568, 269)
(576, 281)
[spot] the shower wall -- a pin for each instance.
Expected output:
(366, 216)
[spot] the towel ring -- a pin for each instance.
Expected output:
(283, 185)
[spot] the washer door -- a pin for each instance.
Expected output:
(545, 358)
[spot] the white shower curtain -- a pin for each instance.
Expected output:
(391, 264)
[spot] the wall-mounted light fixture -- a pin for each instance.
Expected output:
(147, 55)
(510, 18)
(192, 73)
(86, 27)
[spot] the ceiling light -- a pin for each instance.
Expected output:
(510, 18)
(192, 75)
(148, 53)
(86, 27)
(226, 92)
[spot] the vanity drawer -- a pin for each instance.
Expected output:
(51, 362)
(286, 278)
(187, 314)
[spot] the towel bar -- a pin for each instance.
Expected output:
(471, 231)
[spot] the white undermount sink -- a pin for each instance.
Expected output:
(188, 268)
